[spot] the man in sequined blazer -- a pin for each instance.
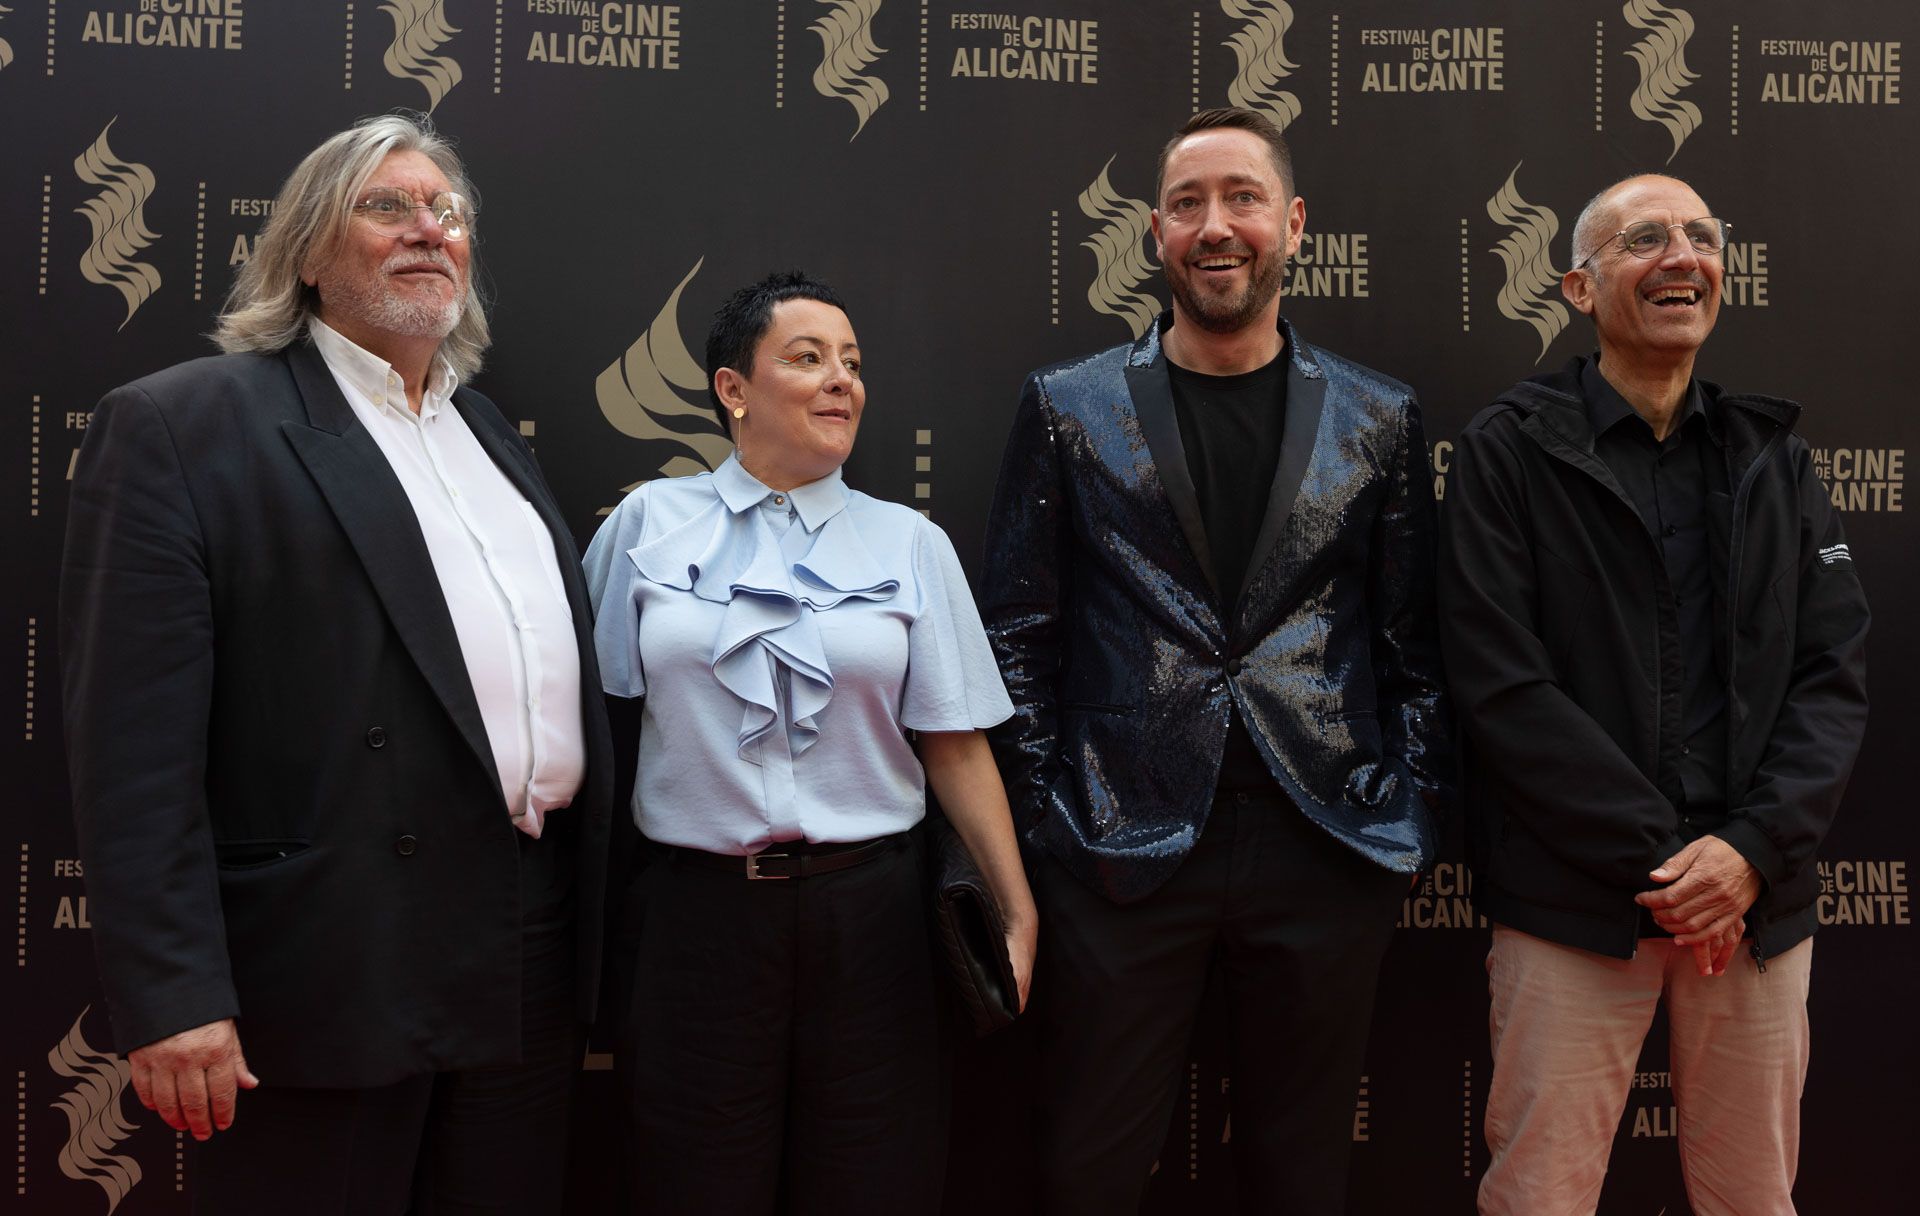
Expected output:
(1210, 587)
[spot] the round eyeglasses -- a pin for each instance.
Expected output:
(1649, 239)
(388, 207)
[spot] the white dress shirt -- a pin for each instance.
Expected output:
(495, 562)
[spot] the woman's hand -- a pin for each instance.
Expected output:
(961, 771)
(1022, 940)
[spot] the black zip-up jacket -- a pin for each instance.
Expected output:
(1562, 645)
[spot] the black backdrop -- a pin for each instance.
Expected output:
(972, 176)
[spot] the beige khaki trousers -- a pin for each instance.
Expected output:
(1567, 1027)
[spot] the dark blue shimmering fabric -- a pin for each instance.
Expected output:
(1122, 662)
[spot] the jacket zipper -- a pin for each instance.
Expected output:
(1759, 957)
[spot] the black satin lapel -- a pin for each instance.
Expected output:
(365, 496)
(1306, 398)
(1152, 393)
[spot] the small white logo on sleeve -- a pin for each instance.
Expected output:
(1836, 553)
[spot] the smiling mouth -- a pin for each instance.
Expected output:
(1674, 297)
(1221, 261)
(839, 415)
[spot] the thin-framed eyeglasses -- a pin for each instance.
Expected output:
(390, 207)
(1649, 239)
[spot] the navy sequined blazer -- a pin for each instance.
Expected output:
(1121, 658)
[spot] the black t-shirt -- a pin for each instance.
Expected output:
(1231, 428)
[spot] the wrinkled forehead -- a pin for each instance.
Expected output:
(1652, 198)
(414, 172)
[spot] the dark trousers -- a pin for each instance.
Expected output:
(1298, 923)
(484, 1140)
(785, 1040)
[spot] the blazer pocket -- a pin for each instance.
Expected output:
(256, 854)
(1096, 707)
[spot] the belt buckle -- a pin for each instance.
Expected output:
(753, 866)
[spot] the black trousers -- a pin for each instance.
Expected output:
(1298, 923)
(785, 1041)
(489, 1141)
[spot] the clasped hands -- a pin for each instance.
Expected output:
(1709, 887)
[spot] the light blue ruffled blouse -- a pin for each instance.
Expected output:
(785, 643)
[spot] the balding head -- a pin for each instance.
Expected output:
(1602, 217)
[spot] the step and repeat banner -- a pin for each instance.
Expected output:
(975, 176)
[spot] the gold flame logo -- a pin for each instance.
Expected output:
(1661, 58)
(1530, 274)
(640, 390)
(118, 218)
(420, 28)
(6, 48)
(1260, 49)
(96, 1124)
(846, 46)
(1119, 252)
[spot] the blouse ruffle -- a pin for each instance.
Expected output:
(768, 650)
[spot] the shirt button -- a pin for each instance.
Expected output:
(405, 846)
(1673, 529)
(1686, 749)
(376, 736)
(1233, 667)
(779, 501)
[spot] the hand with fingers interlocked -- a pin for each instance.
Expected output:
(1709, 887)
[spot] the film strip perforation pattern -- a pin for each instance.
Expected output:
(923, 464)
(1333, 75)
(1599, 75)
(199, 240)
(499, 41)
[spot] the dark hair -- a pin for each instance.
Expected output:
(1230, 118)
(743, 320)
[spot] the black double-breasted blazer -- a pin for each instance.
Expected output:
(1125, 661)
(287, 806)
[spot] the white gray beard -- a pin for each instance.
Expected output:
(380, 307)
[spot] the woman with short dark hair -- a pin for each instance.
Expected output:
(810, 661)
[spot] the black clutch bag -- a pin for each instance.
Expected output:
(972, 933)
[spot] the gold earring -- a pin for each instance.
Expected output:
(739, 411)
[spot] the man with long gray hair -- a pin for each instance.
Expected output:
(342, 797)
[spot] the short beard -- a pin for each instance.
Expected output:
(375, 303)
(1229, 316)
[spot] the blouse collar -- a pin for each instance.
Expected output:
(816, 502)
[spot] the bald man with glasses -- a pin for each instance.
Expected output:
(1655, 637)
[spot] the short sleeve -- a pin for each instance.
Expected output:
(612, 588)
(952, 681)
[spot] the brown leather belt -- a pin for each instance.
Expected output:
(791, 859)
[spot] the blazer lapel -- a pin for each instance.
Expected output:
(1306, 399)
(1152, 393)
(510, 455)
(372, 507)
